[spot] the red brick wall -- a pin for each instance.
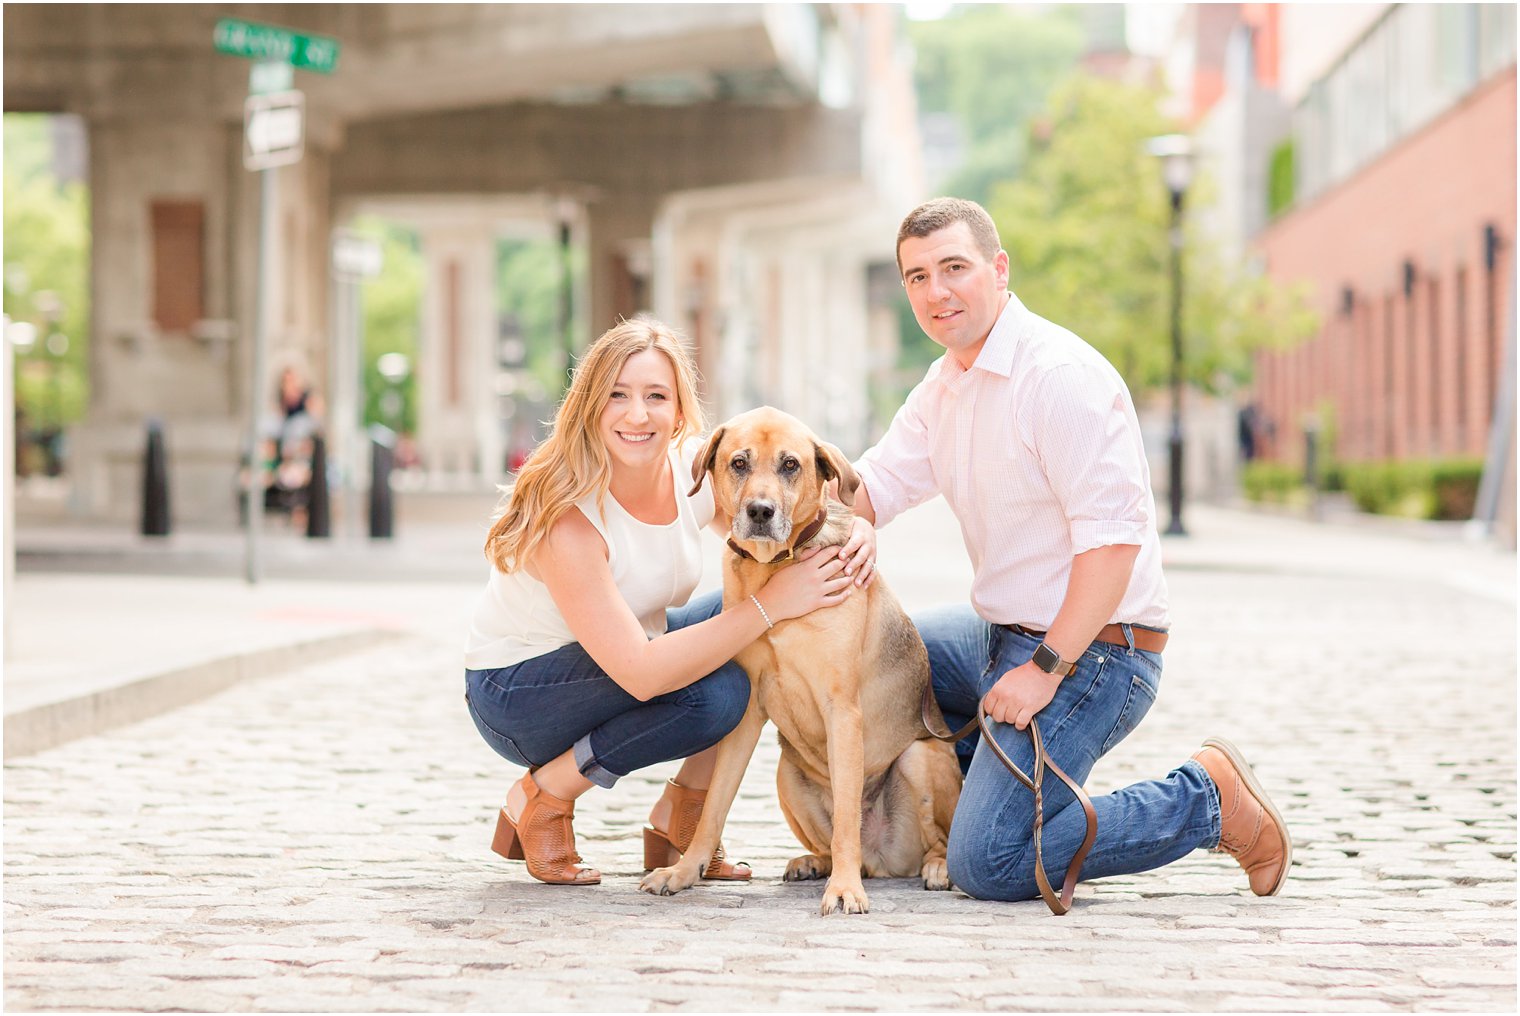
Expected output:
(1408, 377)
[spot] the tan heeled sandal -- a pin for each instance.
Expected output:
(664, 849)
(542, 836)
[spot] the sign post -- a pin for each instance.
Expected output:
(273, 133)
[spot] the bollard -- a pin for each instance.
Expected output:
(318, 505)
(381, 509)
(155, 516)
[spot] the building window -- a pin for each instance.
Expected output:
(1492, 351)
(1460, 402)
(1389, 352)
(179, 246)
(1415, 63)
(1496, 37)
(1433, 386)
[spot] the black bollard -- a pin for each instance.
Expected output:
(381, 510)
(155, 516)
(318, 505)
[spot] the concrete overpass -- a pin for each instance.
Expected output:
(736, 169)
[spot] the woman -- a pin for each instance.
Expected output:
(582, 662)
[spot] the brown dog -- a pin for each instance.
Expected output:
(859, 787)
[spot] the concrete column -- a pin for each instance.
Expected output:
(612, 222)
(459, 436)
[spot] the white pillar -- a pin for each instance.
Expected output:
(458, 432)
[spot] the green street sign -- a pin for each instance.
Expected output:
(266, 42)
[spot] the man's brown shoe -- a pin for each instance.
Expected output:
(1250, 829)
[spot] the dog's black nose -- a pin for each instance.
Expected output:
(760, 511)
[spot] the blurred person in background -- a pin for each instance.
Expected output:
(287, 446)
(1031, 436)
(585, 661)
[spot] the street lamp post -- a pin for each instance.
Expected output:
(1176, 154)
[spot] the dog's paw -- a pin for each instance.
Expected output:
(671, 880)
(806, 868)
(844, 898)
(936, 873)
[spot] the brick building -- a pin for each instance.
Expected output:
(1404, 225)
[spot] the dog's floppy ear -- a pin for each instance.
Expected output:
(832, 464)
(703, 463)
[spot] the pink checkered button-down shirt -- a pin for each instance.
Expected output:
(1037, 449)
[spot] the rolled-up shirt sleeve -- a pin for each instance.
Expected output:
(896, 471)
(1088, 441)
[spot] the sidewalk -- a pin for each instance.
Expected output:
(108, 627)
(316, 840)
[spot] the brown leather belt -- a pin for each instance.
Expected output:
(1149, 639)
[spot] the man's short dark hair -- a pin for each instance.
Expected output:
(934, 215)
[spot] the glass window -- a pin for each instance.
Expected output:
(1496, 37)
(1456, 49)
(1414, 64)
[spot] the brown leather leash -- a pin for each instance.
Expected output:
(1058, 905)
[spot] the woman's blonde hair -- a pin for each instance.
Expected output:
(572, 461)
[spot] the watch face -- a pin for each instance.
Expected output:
(1049, 661)
(1046, 659)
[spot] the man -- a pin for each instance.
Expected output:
(1031, 436)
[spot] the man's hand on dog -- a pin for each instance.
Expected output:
(859, 552)
(1020, 694)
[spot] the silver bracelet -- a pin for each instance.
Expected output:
(763, 614)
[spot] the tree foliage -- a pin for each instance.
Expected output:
(392, 312)
(47, 251)
(992, 67)
(1086, 230)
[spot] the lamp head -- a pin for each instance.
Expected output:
(1176, 154)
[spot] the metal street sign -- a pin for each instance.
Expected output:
(273, 129)
(355, 256)
(266, 77)
(266, 42)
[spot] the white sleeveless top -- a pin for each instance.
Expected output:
(653, 566)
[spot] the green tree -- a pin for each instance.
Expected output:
(530, 292)
(47, 264)
(1086, 230)
(392, 317)
(992, 68)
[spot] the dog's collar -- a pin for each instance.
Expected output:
(812, 530)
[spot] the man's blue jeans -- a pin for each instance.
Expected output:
(530, 712)
(1143, 826)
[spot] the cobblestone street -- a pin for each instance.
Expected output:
(319, 841)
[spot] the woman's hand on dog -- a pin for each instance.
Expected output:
(859, 552)
(815, 580)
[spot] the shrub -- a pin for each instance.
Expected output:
(1280, 182)
(1419, 489)
(1270, 481)
(1455, 486)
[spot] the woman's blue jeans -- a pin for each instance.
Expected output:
(530, 712)
(1143, 826)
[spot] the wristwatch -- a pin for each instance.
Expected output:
(1048, 660)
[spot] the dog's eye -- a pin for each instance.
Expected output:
(738, 464)
(790, 465)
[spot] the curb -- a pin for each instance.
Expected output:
(47, 726)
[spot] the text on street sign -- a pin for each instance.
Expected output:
(266, 42)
